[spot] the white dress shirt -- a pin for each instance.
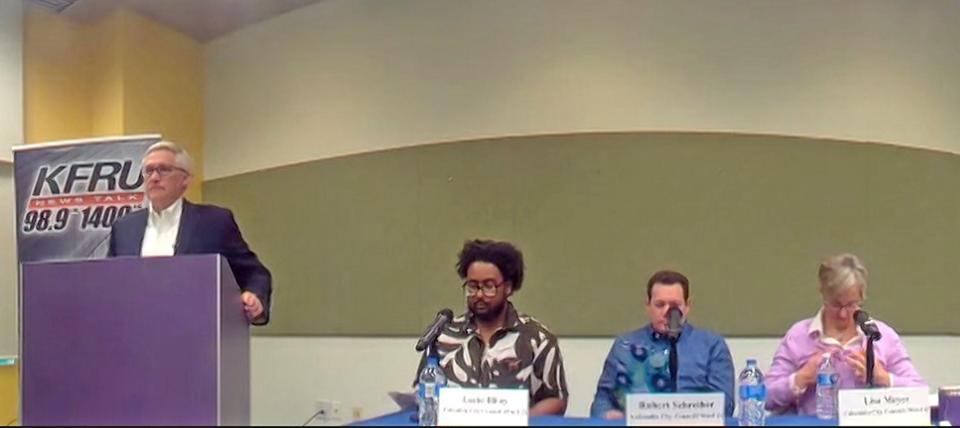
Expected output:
(160, 237)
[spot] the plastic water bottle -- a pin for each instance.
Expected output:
(428, 394)
(827, 389)
(753, 395)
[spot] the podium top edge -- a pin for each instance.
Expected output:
(106, 259)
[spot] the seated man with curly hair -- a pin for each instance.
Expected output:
(493, 345)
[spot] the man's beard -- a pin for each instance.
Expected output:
(491, 313)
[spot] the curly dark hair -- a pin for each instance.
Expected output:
(504, 255)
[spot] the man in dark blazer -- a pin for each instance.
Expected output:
(171, 225)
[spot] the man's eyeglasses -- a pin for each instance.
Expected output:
(487, 287)
(161, 170)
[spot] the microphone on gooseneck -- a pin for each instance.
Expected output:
(674, 328)
(96, 248)
(867, 324)
(430, 335)
(674, 322)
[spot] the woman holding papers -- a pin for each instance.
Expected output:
(833, 333)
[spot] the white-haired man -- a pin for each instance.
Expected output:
(171, 225)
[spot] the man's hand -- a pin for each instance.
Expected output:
(252, 305)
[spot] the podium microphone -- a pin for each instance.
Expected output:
(97, 247)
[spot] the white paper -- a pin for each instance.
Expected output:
(483, 407)
(884, 407)
(675, 409)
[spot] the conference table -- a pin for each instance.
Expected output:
(406, 417)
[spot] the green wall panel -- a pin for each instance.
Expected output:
(366, 244)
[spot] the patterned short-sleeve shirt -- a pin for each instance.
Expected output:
(523, 354)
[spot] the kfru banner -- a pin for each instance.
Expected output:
(69, 194)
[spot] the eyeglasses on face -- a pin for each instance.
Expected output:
(488, 287)
(852, 306)
(162, 170)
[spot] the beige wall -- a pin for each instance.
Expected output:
(11, 133)
(11, 78)
(8, 265)
(348, 76)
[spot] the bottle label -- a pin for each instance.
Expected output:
(756, 392)
(827, 379)
(429, 391)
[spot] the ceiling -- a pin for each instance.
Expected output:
(203, 20)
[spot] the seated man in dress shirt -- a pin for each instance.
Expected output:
(171, 225)
(639, 360)
(493, 345)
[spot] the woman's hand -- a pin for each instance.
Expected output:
(881, 377)
(807, 375)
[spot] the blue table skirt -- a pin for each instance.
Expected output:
(406, 417)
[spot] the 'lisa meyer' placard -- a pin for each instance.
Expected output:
(888, 406)
(483, 407)
(675, 409)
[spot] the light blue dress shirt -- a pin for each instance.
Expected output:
(638, 363)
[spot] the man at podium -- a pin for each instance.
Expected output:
(171, 225)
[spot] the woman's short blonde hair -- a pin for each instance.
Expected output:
(840, 272)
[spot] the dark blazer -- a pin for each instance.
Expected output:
(204, 229)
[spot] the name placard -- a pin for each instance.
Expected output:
(675, 409)
(479, 407)
(886, 406)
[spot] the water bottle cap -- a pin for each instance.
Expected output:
(751, 361)
(433, 360)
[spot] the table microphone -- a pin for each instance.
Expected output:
(443, 318)
(867, 324)
(674, 322)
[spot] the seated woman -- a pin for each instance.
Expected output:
(791, 382)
